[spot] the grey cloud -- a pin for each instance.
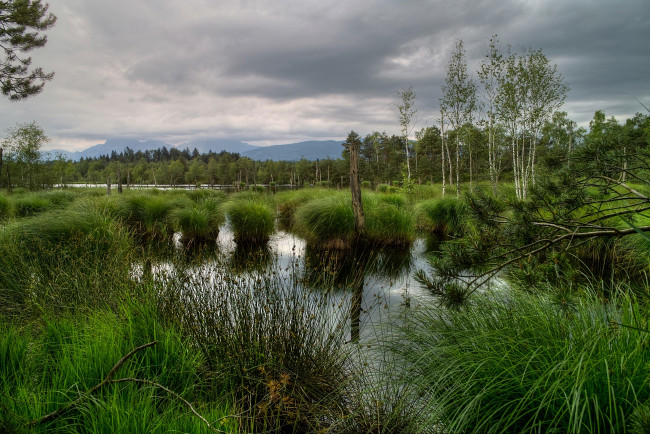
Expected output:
(270, 70)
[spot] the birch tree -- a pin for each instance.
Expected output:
(458, 100)
(490, 74)
(407, 111)
(529, 92)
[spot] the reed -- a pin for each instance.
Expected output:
(273, 347)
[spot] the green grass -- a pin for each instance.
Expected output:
(47, 365)
(268, 343)
(443, 217)
(61, 261)
(251, 219)
(289, 201)
(525, 363)
(200, 220)
(6, 208)
(327, 221)
(149, 215)
(388, 221)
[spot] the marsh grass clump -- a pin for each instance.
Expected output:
(251, 219)
(444, 217)
(199, 221)
(201, 194)
(273, 346)
(5, 207)
(149, 215)
(327, 222)
(289, 201)
(519, 362)
(30, 205)
(388, 224)
(63, 260)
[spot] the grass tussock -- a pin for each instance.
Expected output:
(444, 217)
(149, 216)
(62, 261)
(200, 220)
(288, 203)
(388, 221)
(525, 363)
(326, 221)
(6, 208)
(251, 219)
(271, 345)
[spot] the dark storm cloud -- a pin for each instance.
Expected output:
(282, 70)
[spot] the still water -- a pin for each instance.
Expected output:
(375, 285)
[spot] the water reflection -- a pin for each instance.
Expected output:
(372, 285)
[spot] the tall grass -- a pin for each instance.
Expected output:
(267, 343)
(388, 222)
(29, 204)
(329, 221)
(62, 260)
(199, 221)
(149, 216)
(5, 207)
(289, 201)
(47, 366)
(443, 217)
(525, 363)
(326, 221)
(251, 219)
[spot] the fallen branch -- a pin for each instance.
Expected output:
(172, 393)
(58, 413)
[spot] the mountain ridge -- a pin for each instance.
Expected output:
(310, 150)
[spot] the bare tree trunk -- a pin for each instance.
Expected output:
(355, 187)
(442, 154)
(108, 186)
(119, 181)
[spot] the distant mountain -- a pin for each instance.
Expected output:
(217, 145)
(110, 145)
(311, 150)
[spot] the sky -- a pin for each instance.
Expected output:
(282, 71)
